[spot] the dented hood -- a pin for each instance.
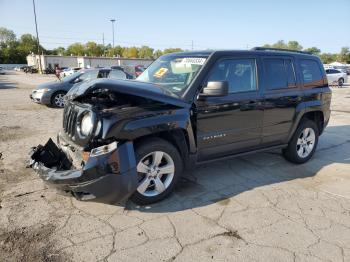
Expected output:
(142, 89)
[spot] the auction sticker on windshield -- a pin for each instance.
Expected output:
(161, 72)
(194, 60)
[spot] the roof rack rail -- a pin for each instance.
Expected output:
(258, 48)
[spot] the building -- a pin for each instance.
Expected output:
(52, 61)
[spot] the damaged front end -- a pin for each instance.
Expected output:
(94, 157)
(108, 174)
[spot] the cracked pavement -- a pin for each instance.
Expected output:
(252, 208)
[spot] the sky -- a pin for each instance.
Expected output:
(212, 24)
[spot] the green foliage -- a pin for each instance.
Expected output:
(130, 52)
(327, 58)
(344, 55)
(6, 35)
(58, 51)
(157, 54)
(313, 50)
(13, 50)
(172, 50)
(145, 52)
(76, 49)
(292, 45)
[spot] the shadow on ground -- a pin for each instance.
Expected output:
(4, 84)
(219, 181)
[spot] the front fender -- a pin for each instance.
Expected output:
(156, 122)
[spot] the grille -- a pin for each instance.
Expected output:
(70, 119)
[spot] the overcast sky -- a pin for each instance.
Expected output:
(213, 24)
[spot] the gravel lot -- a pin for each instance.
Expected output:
(253, 208)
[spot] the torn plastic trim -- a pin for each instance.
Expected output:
(107, 178)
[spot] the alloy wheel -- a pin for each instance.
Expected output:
(306, 142)
(156, 171)
(59, 100)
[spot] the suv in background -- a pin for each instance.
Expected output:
(336, 76)
(124, 139)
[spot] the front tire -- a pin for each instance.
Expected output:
(57, 99)
(303, 144)
(159, 167)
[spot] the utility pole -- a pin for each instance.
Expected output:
(37, 38)
(113, 20)
(192, 45)
(103, 39)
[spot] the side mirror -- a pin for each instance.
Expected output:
(215, 88)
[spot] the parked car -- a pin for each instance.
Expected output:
(336, 76)
(53, 93)
(69, 71)
(124, 139)
(2, 71)
(30, 69)
(129, 76)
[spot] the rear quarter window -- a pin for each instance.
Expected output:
(311, 73)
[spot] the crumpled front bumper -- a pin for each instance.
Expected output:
(107, 178)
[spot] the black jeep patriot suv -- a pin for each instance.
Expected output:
(123, 138)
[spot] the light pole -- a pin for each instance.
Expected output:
(37, 38)
(113, 20)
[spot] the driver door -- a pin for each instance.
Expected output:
(233, 123)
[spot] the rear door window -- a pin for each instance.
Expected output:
(311, 72)
(280, 73)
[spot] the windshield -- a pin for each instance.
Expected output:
(71, 77)
(174, 73)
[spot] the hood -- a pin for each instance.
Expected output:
(51, 85)
(135, 88)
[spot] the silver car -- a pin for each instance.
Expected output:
(52, 93)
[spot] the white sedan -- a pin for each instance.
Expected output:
(69, 71)
(336, 76)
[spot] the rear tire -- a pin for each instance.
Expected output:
(303, 144)
(341, 82)
(159, 166)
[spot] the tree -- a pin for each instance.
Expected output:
(116, 51)
(172, 50)
(93, 49)
(327, 58)
(59, 51)
(294, 45)
(28, 44)
(6, 35)
(157, 54)
(130, 52)
(313, 50)
(75, 49)
(145, 52)
(344, 55)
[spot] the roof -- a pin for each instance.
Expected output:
(256, 50)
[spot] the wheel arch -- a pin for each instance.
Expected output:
(314, 114)
(177, 137)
